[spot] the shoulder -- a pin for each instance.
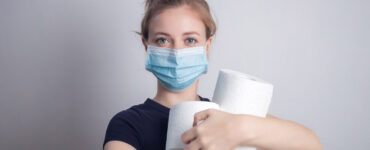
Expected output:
(127, 114)
(125, 126)
(129, 117)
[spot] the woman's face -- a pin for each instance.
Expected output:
(177, 28)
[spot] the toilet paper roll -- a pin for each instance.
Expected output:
(239, 93)
(181, 119)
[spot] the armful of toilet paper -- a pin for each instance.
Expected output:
(221, 130)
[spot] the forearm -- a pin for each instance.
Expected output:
(277, 134)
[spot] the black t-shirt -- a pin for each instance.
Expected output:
(143, 126)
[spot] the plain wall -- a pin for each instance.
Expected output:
(66, 67)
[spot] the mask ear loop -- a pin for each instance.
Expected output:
(207, 52)
(207, 56)
(207, 44)
(146, 44)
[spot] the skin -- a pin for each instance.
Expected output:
(181, 27)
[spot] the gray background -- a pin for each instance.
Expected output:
(66, 67)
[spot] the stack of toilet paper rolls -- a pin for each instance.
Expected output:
(235, 92)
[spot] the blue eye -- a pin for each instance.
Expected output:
(191, 40)
(161, 41)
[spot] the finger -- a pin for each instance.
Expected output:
(202, 115)
(193, 145)
(188, 136)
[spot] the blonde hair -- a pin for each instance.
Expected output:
(154, 7)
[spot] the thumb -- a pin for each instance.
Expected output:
(202, 115)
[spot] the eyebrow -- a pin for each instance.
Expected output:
(186, 33)
(166, 34)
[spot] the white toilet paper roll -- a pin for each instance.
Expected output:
(181, 119)
(240, 93)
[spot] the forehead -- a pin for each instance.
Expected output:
(176, 21)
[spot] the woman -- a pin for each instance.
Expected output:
(177, 35)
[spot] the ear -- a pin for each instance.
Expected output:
(208, 47)
(144, 43)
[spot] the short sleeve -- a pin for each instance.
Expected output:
(121, 129)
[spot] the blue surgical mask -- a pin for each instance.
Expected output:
(176, 69)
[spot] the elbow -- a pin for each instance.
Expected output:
(315, 144)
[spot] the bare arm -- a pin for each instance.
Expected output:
(118, 145)
(222, 130)
(277, 134)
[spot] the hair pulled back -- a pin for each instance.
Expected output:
(154, 7)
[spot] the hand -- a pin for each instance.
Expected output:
(219, 130)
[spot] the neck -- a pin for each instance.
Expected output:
(169, 98)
